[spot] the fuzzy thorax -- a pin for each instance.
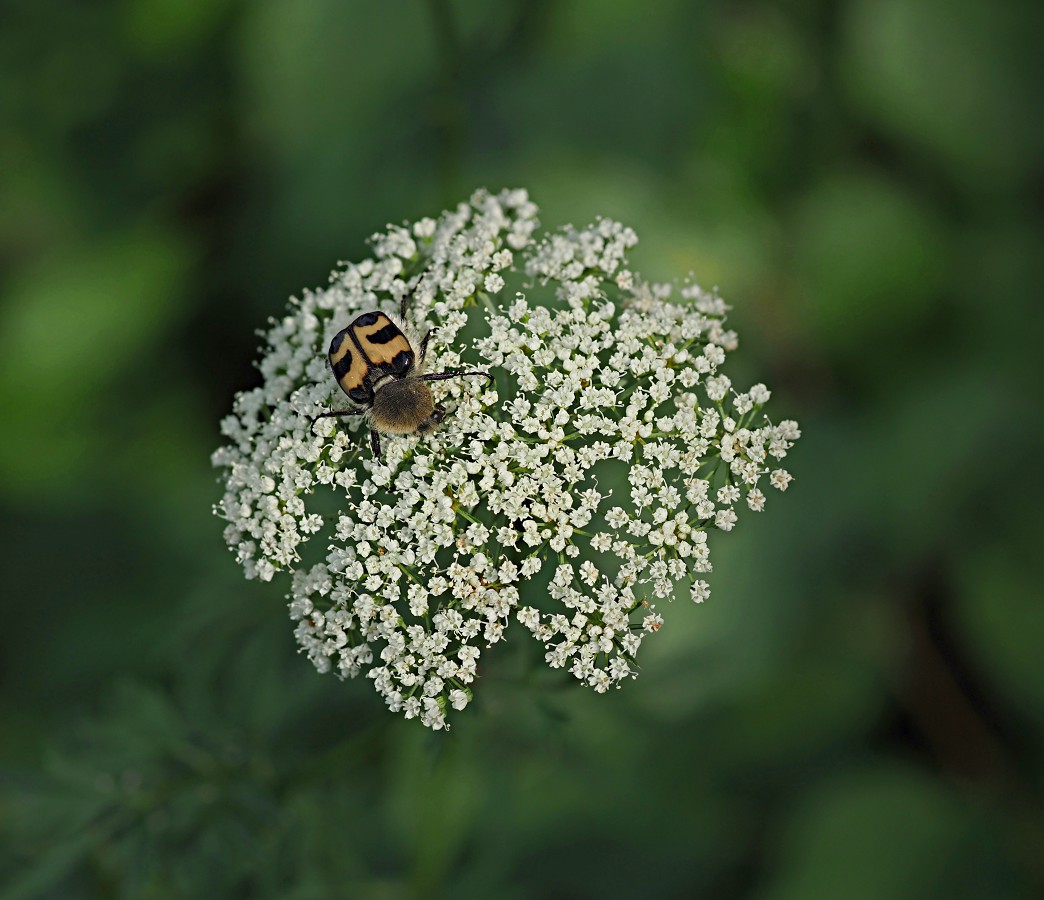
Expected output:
(402, 406)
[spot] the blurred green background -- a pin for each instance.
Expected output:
(857, 711)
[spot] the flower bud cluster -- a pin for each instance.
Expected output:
(569, 497)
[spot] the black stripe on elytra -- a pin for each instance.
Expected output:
(338, 339)
(402, 362)
(366, 319)
(388, 333)
(341, 367)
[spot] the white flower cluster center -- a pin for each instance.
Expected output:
(568, 497)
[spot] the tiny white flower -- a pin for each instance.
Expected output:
(728, 494)
(652, 622)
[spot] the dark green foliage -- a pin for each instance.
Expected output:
(857, 711)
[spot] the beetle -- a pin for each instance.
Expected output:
(382, 372)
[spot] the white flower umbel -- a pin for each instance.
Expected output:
(570, 496)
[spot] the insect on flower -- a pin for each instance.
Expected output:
(380, 370)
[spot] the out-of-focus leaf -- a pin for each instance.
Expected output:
(47, 870)
(1002, 620)
(808, 710)
(883, 832)
(871, 260)
(434, 803)
(73, 323)
(72, 320)
(40, 205)
(935, 435)
(166, 27)
(957, 80)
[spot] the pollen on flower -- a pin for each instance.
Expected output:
(568, 497)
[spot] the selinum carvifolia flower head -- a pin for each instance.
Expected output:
(567, 499)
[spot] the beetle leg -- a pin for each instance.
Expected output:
(442, 376)
(334, 412)
(424, 346)
(375, 444)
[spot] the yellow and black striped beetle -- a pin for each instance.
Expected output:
(379, 369)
